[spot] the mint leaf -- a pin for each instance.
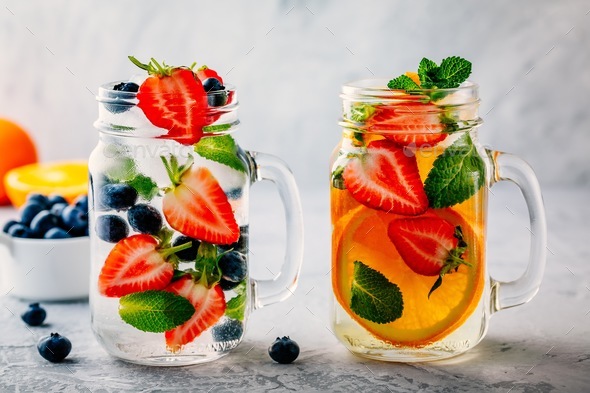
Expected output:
(119, 167)
(452, 72)
(221, 149)
(426, 71)
(217, 128)
(359, 112)
(403, 82)
(145, 186)
(374, 297)
(236, 306)
(456, 175)
(155, 311)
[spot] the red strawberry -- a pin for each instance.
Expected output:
(209, 308)
(430, 246)
(411, 123)
(174, 99)
(135, 264)
(205, 72)
(196, 206)
(386, 178)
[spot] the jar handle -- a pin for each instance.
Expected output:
(266, 292)
(508, 167)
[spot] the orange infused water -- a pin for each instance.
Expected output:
(408, 251)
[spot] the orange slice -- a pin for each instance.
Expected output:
(68, 179)
(361, 235)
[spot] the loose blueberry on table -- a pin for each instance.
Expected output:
(283, 350)
(35, 315)
(54, 347)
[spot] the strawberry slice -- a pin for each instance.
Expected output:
(136, 264)
(205, 72)
(196, 206)
(174, 99)
(209, 306)
(409, 124)
(430, 246)
(386, 178)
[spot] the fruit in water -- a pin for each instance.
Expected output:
(231, 329)
(111, 228)
(196, 206)
(145, 219)
(173, 99)
(385, 178)
(54, 347)
(19, 149)
(137, 263)
(209, 306)
(35, 315)
(68, 179)
(190, 254)
(117, 196)
(233, 266)
(283, 350)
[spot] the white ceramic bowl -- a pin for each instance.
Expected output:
(45, 269)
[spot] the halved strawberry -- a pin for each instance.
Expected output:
(209, 306)
(135, 264)
(408, 124)
(196, 206)
(386, 178)
(174, 99)
(205, 72)
(430, 246)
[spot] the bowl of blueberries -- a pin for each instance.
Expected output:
(47, 249)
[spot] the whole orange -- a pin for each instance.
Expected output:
(16, 149)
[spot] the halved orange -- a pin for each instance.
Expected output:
(361, 235)
(68, 179)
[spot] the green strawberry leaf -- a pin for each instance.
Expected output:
(360, 112)
(456, 175)
(207, 270)
(155, 311)
(403, 82)
(452, 72)
(236, 306)
(221, 149)
(374, 297)
(145, 186)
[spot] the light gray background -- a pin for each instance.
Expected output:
(289, 60)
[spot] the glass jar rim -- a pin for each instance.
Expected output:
(376, 88)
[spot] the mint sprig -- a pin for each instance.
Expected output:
(451, 73)
(155, 311)
(456, 175)
(222, 149)
(236, 306)
(145, 186)
(374, 297)
(403, 82)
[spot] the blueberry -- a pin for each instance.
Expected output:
(29, 211)
(58, 208)
(81, 203)
(56, 233)
(233, 266)
(212, 84)
(54, 348)
(232, 329)
(117, 196)
(145, 219)
(39, 199)
(283, 350)
(9, 225)
(35, 315)
(111, 228)
(74, 220)
(43, 222)
(241, 245)
(53, 199)
(234, 193)
(190, 254)
(227, 285)
(119, 107)
(217, 98)
(20, 230)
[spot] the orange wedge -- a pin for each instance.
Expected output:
(68, 179)
(361, 235)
